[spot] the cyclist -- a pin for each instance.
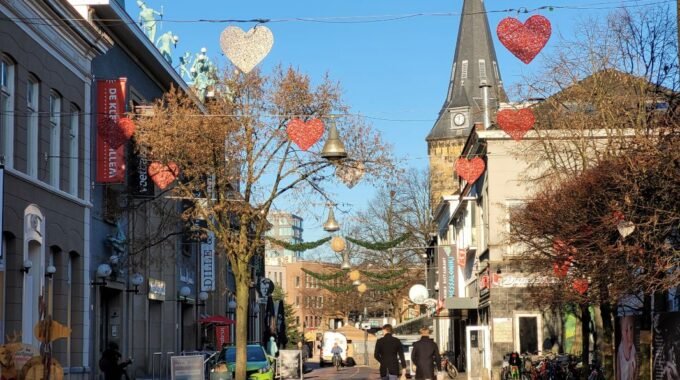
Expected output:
(336, 351)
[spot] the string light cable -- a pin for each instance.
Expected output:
(363, 19)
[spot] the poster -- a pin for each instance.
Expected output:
(502, 330)
(289, 364)
(110, 107)
(666, 346)
(187, 368)
(627, 343)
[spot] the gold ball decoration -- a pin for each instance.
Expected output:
(354, 275)
(338, 244)
(362, 288)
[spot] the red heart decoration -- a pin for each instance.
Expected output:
(561, 270)
(304, 135)
(526, 40)
(516, 123)
(163, 175)
(470, 170)
(580, 285)
(118, 132)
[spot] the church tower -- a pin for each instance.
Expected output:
(474, 71)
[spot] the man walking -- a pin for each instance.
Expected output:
(389, 352)
(425, 356)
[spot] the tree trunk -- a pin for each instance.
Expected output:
(607, 339)
(242, 278)
(585, 338)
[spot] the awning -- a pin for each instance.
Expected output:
(216, 319)
(461, 303)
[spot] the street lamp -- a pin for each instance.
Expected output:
(103, 271)
(28, 264)
(50, 271)
(135, 280)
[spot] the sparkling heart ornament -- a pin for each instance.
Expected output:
(163, 175)
(580, 285)
(516, 123)
(246, 49)
(305, 134)
(470, 170)
(350, 173)
(526, 40)
(625, 228)
(117, 133)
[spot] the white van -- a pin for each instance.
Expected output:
(327, 342)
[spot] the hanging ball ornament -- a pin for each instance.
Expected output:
(362, 288)
(354, 275)
(338, 244)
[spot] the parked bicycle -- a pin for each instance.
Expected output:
(447, 364)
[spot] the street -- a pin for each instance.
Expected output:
(356, 372)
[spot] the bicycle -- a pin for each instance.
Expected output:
(447, 365)
(337, 361)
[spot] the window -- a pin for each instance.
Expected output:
(32, 96)
(55, 139)
(73, 135)
(297, 281)
(482, 69)
(7, 110)
(464, 70)
(297, 300)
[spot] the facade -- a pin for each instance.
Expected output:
(285, 227)
(475, 91)
(45, 103)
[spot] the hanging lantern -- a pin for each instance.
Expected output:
(337, 244)
(333, 149)
(355, 275)
(362, 288)
(331, 224)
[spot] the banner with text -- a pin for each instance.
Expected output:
(110, 107)
(446, 263)
(208, 263)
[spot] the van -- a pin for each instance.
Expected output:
(327, 341)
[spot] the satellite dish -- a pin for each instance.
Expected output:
(417, 294)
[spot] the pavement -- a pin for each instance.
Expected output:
(330, 373)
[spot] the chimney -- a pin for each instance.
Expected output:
(485, 96)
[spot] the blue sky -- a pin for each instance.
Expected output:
(396, 70)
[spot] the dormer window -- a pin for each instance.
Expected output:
(464, 70)
(482, 69)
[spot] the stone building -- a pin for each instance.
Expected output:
(45, 103)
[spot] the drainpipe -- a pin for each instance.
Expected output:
(485, 96)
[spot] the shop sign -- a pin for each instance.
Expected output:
(445, 259)
(156, 290)
(514, 281)
(208, 263)
(110, 107)
(222, 335)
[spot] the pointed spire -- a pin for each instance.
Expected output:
(474, 63)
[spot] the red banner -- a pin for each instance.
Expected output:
(110, 107)
(221, 336)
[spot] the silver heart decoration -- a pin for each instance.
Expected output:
(350, 173)
(625, 228)
(246, 49)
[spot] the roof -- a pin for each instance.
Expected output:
(476, 58)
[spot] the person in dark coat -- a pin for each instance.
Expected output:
(425, 356)
(110, 363)
(389, 352)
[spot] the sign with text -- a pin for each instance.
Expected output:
(502, 330)
(156, 290)
(222, 335)
(110, 107)
(445, 259)
(139, 182)
(187, 367)
(289, 364)
(208, 263)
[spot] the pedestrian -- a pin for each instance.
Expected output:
(425, 356)
(389, 353)
(110, 363)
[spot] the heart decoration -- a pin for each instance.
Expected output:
(618, 216)
(350, 173)
(305, 134)
(163, 175)
(516, 123)
(580, 285)
(526, 40)
(246, 49)
(470, 170)
(625, 228)
(118, 132)
(561, 270)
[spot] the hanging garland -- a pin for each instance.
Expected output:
(325, 277)
(388, 275)
(338, 289)
(380, 245)
(300, 247)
